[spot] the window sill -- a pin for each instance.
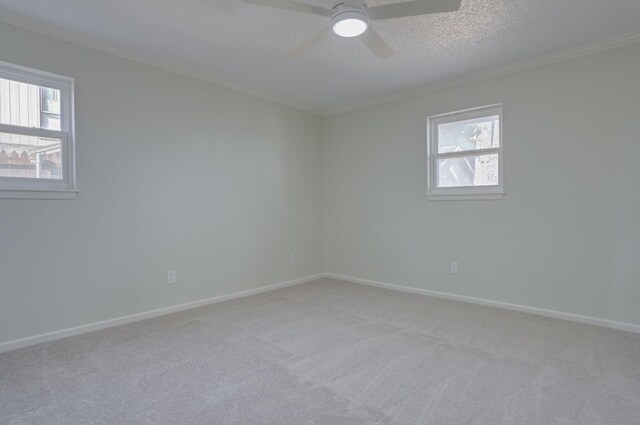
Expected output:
(38, 194)
(465, 196)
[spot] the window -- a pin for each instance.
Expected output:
(465, 153)
(36, 134)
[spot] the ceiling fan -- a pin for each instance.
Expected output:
(350, 18)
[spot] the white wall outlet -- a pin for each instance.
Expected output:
(171, 277)
(292, 258)
(453, 267)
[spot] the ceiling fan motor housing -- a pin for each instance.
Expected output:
(349, 9)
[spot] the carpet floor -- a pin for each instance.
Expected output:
(329, 352)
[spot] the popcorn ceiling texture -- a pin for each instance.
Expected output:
(246, 45)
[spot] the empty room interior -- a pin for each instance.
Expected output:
(400, 212)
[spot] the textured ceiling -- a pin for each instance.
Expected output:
(246, 45)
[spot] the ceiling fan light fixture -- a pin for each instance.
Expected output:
(352, 25)
(349, 18)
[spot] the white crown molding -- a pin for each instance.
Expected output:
(588, 320)
(82, 329)
(563, 55)
(42, 28)
(16, 20)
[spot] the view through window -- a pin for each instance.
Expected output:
(25, 156)
(465, 153)
(36, 133)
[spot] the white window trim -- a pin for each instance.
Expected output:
(469, 192)
(27, 188)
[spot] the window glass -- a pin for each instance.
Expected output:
(465, 154)
(473, 134)
(37, 146)
(28, 105)
(477, 170)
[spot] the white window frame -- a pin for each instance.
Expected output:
(467, 192)
(35, 188)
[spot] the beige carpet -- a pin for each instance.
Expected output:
(329, 352)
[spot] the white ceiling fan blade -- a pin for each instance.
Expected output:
(310, 43)
(376, 44)
(292, 5)
(413, 8)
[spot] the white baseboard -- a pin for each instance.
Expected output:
(622, 326)
(77, 330)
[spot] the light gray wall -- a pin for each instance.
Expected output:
(174, 174)
(567, 235)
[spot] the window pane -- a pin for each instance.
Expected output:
(477, 133)
(480, 170)
(50, 121)
(50, 100)
(28, 105)
(30, 157)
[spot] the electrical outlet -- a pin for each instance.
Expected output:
(171, 277)
(292, 258)
(453, 267)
